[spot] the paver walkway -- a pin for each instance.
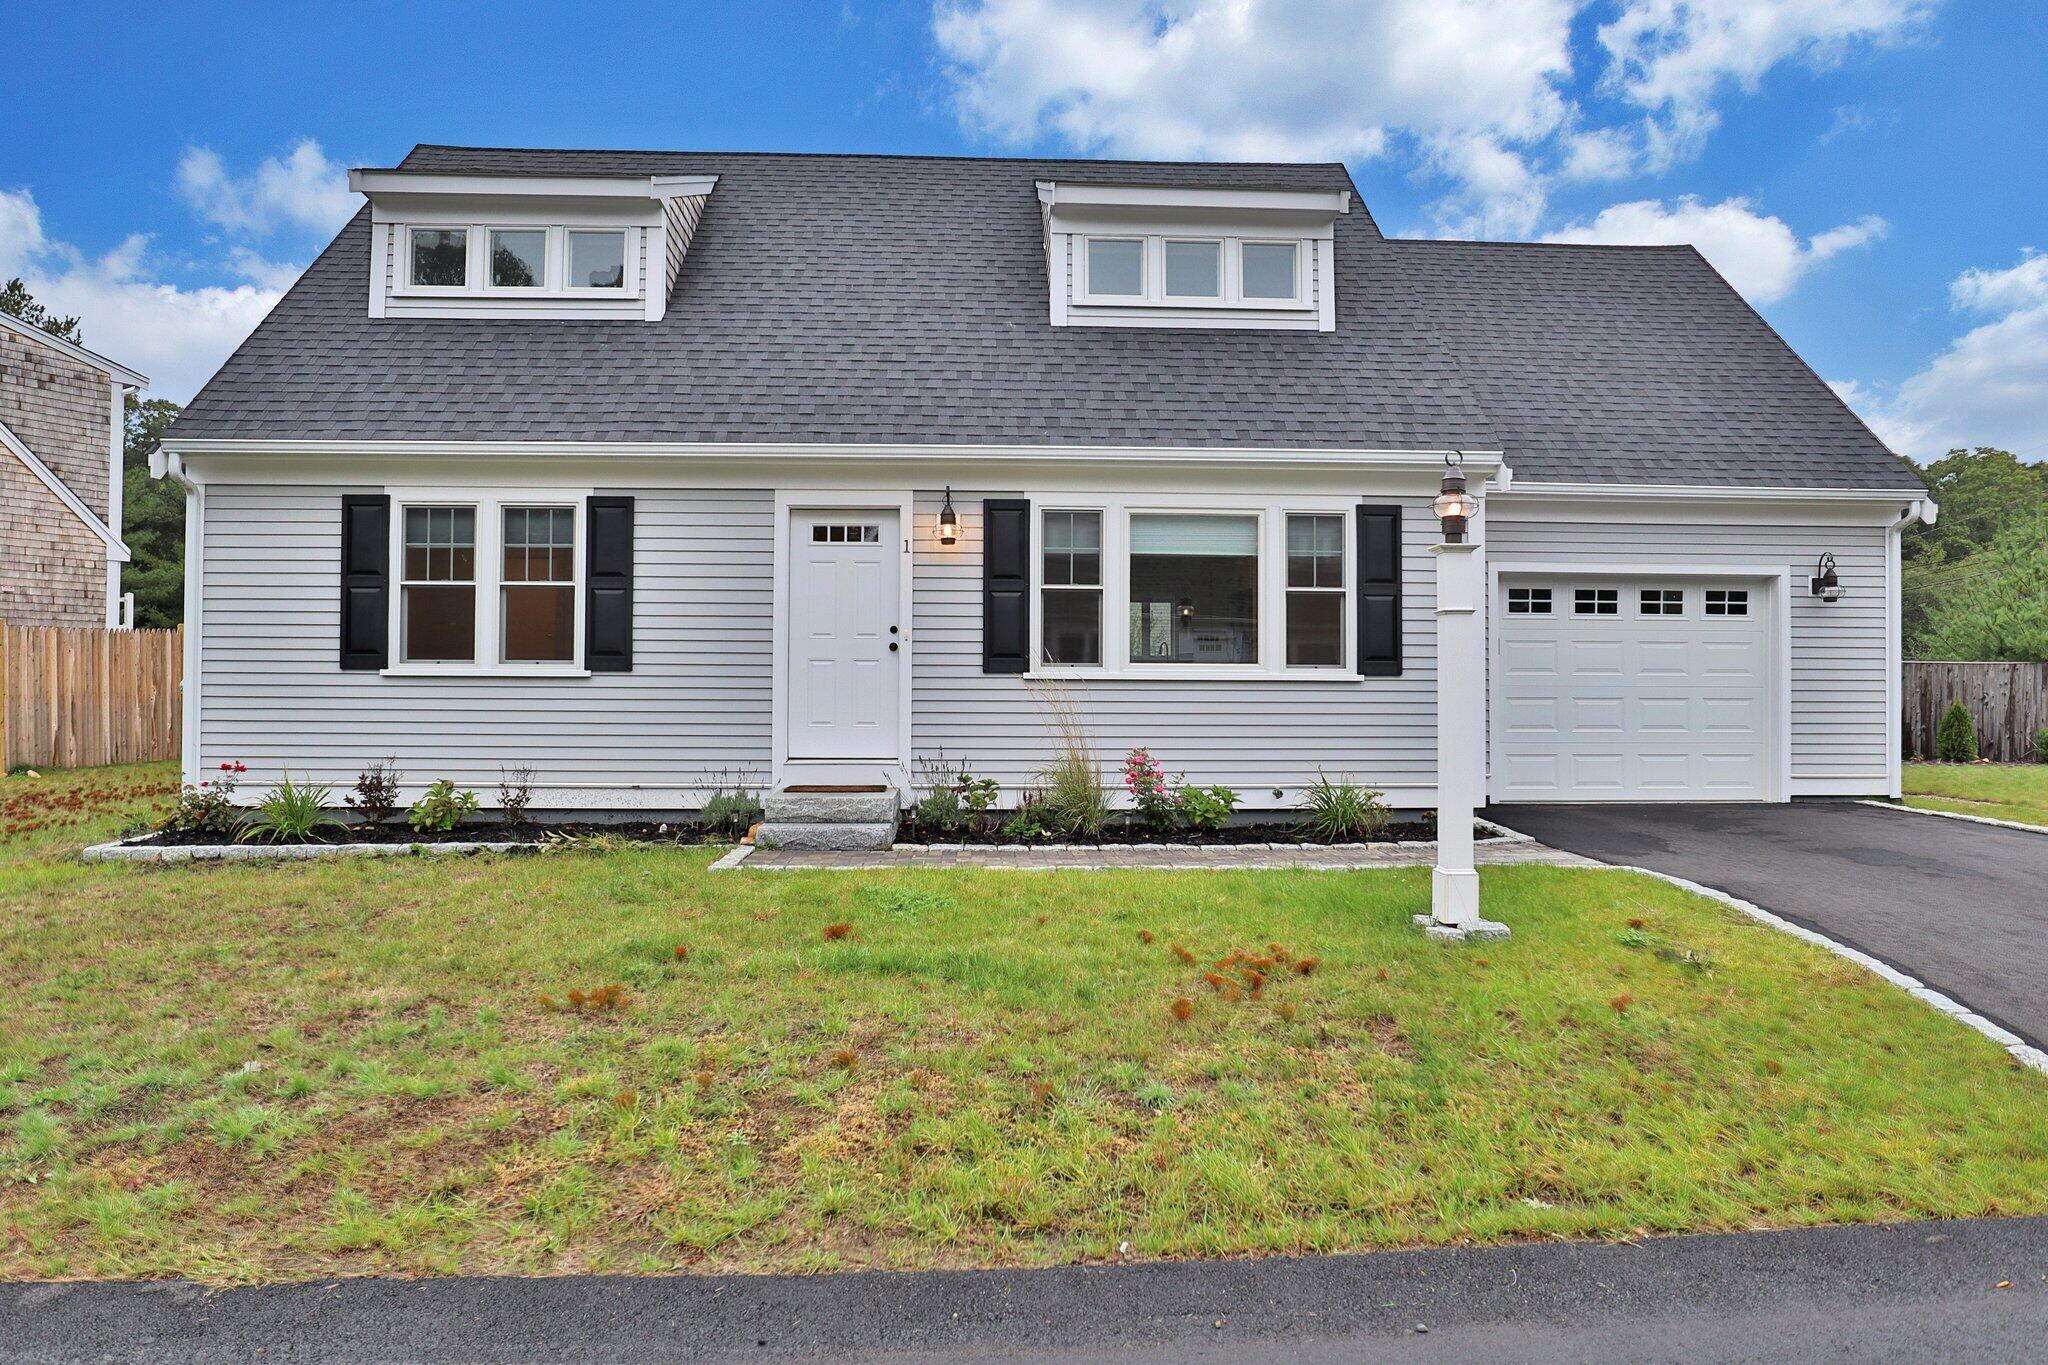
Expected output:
(1090, 857)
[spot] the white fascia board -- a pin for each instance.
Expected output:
(1057, 193)
(1479, 461)
(12, 443)
(99, 362)
(682, 186)
(1715, 492)
(376, 182)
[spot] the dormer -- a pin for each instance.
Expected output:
(527, 246)
(1157, 256)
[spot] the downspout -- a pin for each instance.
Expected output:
(165, 465)
(1924, 511)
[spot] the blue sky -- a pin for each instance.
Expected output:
(1871, 173)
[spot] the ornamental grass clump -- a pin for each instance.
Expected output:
(1073, 804)
(292, 813)
(1344, 812)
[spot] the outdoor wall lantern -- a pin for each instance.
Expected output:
(949, 521)
(1453, 506)
(1827, 585)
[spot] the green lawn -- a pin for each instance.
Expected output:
(270, 1072)
(2003, 791)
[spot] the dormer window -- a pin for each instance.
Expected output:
(597, 260)
(440, 258)
(528, 246)
(1154, 256)
(1116, 267)
(519, 258)
(1271, 270)
(1194, 270)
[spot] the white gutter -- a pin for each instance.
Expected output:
(1715, 492)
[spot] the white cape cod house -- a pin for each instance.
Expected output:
(629, 467)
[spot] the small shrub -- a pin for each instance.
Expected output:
(1025, 827)
(954, 798)
(207, 806)
(2041, 745)
(729, 815)
(441, 808)
(375, 797)
(1207, 807)
(292, 813)
(1343, 812)
(1956, 740)
(515, 793)
(1151, 792)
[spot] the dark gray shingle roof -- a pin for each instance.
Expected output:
(1616, 364)
(903, 300)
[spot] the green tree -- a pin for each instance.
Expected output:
(16, 301)
(1975, 584)
(1956, 739)
(152, 519)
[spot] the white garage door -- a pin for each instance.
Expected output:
(1623, 690)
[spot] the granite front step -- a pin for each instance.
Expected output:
(830, 808)
(826, 837)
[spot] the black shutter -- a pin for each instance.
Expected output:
(608, 586)
(1005, 585)
(365, 581)
(1379, 590)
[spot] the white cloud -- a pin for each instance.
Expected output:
(1474, 91)
(1760, 254)
(301, 189)
(1674, 58)
(177, 336)
(1989, 387)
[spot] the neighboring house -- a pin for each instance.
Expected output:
(630, 467)
(61, 428)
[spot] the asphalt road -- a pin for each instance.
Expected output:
(1962, 906)
(1909, 1291)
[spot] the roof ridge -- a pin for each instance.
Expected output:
(877, 156)
(1567, 246)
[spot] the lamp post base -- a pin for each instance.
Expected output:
(1476, 931)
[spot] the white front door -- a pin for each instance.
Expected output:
(1612, 689)
(845, 634)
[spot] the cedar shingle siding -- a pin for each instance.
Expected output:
(53, 570)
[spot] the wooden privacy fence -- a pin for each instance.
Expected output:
(2008, 702)
(72, 697)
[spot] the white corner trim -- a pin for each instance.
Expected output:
(116, 551)
(2017, 1047)
(1957, 815)
(99, 362)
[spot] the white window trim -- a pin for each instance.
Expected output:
(1230, 279)
(1272, 516)
(478, 264)
(490, 505)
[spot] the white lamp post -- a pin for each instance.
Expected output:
(1460, 718)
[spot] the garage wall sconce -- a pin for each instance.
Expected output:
(949, 521)
(1827, 584)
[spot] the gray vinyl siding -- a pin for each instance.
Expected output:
(1840, 720)
(1253, 735)
(696, 702)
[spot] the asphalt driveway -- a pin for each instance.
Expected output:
(1964, 907)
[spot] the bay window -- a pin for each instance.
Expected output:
(488, 581)
(1199, 586)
